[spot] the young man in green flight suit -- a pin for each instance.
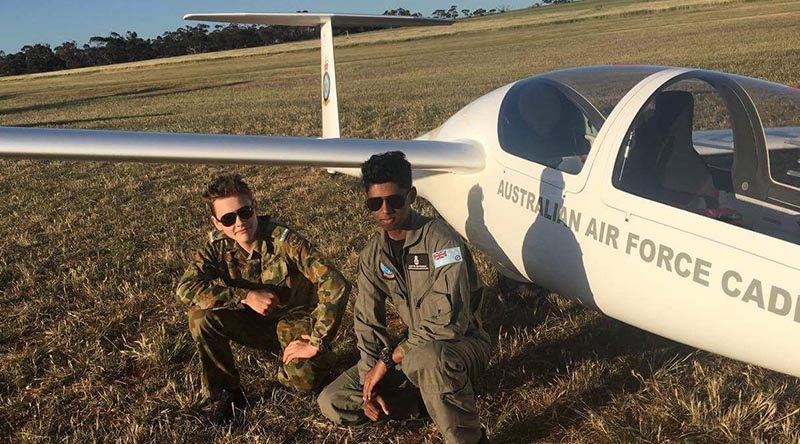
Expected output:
(260, 284)
(423, 267)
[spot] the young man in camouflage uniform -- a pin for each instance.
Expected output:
(260, 284)
(423, 267)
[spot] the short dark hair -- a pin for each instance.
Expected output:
(386, 167)
(226, 185)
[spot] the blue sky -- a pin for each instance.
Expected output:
(56, 21)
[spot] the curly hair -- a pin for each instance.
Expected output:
(226, 185)
(386, 167)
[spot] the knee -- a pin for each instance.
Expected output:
(301, 375)
(326, 400)
(433, 367)
(199, 321)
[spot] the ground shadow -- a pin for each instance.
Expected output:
(631, 354)
(145, 92)
(94, 120)
(551, 252)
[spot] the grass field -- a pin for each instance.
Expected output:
(94, 347)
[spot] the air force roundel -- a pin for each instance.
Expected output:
(387, 272)
(326, 87)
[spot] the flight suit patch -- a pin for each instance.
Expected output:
(417, 262)
(448, 256)
(387, 272)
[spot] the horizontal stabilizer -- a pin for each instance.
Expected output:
(122, 146)
(310, 19)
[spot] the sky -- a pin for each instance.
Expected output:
(26, 22)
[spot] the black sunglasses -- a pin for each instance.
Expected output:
(228, 219)
(395, 201)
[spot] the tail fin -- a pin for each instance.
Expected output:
(329, 99)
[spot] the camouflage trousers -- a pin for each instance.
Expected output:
(212, 331)
(441, 373)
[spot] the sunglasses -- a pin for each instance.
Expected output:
(395, 201)
(228, 219)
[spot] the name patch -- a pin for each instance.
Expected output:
(387, 272)
(417, 262)
(448, 256)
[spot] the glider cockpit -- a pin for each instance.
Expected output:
(723, 146)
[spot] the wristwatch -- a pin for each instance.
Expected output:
(386, 358)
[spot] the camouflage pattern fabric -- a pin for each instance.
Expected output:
(222, 273)
(212, 331)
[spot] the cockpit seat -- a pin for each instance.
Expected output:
(662, 163)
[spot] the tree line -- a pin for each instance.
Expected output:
(118, 48)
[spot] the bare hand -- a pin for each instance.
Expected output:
(372, 378)
(299, 349)
(375, 407)
(261, 301)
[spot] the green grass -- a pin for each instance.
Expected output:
(94, 347)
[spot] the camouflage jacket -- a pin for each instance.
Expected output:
(222, 273)
(438, 293)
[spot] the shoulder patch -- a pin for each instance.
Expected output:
(387, 272)
(279, 232)
(447, 256)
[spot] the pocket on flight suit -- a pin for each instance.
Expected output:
(436, 308)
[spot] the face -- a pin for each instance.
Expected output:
(389, 218)
(242, 231)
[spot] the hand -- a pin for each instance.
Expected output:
(299, 349)
(372, 378)
(261, 301)
(375, 407)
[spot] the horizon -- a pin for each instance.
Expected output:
(55, 24)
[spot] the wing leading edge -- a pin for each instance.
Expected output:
(316, 19)
(123, 146)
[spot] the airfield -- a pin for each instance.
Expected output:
(94, 346)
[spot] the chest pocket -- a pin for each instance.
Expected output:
(274, 271)
(436, 308)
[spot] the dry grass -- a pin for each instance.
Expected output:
(93, 346)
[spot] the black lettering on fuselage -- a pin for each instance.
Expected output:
(531, 205)
(726, 281)
(786, 307)
(574, 220)
(754, 293)
(702, 269)
(612, 234)
(665, 255)
(647, 250)
(682, 272)
(591, 230)
(633, 242)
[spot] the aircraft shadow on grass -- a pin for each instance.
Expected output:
(629, 353)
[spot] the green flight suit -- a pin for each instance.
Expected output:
(438, 295)
(312, 297)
